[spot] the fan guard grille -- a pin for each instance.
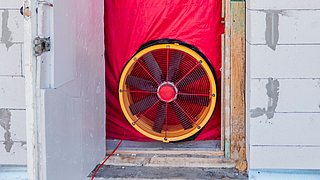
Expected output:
(167, 92)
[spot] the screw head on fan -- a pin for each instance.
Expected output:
(167, 92)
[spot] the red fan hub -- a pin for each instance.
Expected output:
(167, 92)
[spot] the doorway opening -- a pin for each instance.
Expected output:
(216, 33)
(151, 47)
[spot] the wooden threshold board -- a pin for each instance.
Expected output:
(200, 148)
(170, 161)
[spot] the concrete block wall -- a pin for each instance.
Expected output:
(283, 69)
(13, 149)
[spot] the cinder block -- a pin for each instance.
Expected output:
(283, 4)
(16, 156)
(12, 92)
(256, 27)
(17, 124)
(284, 157)
(10, 60)
(10, 4)
(286, 129)
(11, 27)
(285, 26)
(288, 61)
(295, 95)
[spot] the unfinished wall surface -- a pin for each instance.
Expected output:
(13, 150)
(283, 84)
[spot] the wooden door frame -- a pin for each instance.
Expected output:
(233, 123)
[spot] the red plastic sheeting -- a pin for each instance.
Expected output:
(129, 24)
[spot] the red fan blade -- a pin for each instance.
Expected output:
(193, 76)
(153, 66)
(141, 84)
(175, 60)
(143, 104)
(194, 99)
(183, 118)
(158, 123)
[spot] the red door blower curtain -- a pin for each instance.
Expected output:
(132, 23)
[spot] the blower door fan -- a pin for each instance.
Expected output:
(167, 92)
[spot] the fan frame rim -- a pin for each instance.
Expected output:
(205, 65)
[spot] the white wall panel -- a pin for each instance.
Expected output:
(300, 61)
(286, 129)
(10, 60)
(294, 27)
(295, 95)
(256, 27)
(63, 135)
(12, 93)
(16, 156)
(9, 4)
(12, 90)
(283, 4)
(11, 27)
(64, 42)
(284, 157)
(17, 125)
(283, 58)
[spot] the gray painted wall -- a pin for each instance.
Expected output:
(13, 149)
(283, 68)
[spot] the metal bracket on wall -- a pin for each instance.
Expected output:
(41, 45)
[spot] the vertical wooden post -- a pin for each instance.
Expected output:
(233, 83)
(225, 81)
(237, 46)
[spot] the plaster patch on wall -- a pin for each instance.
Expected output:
(6, 35)
(273, 97)
(272, 27)
(273, 93)
(257, 112)
(5, 123)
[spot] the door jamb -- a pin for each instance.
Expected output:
(32, 90)
(233, 126)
